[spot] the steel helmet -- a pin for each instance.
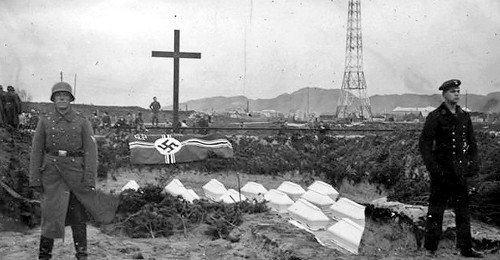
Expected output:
(61, 86)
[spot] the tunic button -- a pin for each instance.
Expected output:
(459, 161)
(454, 146)
(453, 153)
(453, 139)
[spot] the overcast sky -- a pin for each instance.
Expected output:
(256, 48)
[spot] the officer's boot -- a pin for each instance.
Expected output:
(80, 241)
(46, 245)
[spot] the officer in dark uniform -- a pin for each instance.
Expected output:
(449, 151)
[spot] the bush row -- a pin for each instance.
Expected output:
(390, 160)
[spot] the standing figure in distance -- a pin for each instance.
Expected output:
(63, 168)
(96, 123)
(155, 109)
(106, 121)
(139, 124)
(12, 107)
(449, 150)
(130, 122)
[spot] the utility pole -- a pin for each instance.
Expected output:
(74, 90)
(61, 76)
(307, 102)
(466, 100)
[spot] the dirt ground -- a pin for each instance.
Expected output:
(262, 236)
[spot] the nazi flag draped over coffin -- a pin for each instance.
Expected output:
(176, 148)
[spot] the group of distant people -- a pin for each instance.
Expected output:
(130, 122)
(124, 123)
(10, 107)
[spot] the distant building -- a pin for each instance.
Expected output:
(271, 113)
(327, 117)
(412, 113)
(238, 112)
(378, 118)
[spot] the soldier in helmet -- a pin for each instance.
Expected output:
(63, 168)
(449, 151)
(12, 107)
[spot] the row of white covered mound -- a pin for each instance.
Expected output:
(317, 208)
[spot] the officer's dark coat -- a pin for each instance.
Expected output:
(449, 150)
(448, 145)
(61, 175)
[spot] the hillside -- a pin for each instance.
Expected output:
(317, 100)
(325, 101)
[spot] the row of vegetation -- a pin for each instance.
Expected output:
(390, 160)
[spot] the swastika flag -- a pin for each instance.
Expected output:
(168, 149)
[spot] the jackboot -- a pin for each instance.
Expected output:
(80, 241)
(46, 246)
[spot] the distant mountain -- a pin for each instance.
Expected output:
(320, 100)
(324, 101)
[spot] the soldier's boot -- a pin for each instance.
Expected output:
(46, 245)
(80, 241)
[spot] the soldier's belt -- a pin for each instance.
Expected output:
(64, 153)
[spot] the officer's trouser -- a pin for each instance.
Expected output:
(154, 119)
(440, 195)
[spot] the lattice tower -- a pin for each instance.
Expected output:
(353, 99)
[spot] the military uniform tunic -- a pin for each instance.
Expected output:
(64, 162)
(449, 151)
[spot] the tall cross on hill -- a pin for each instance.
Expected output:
(176, 54)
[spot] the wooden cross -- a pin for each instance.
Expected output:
(176, 54)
